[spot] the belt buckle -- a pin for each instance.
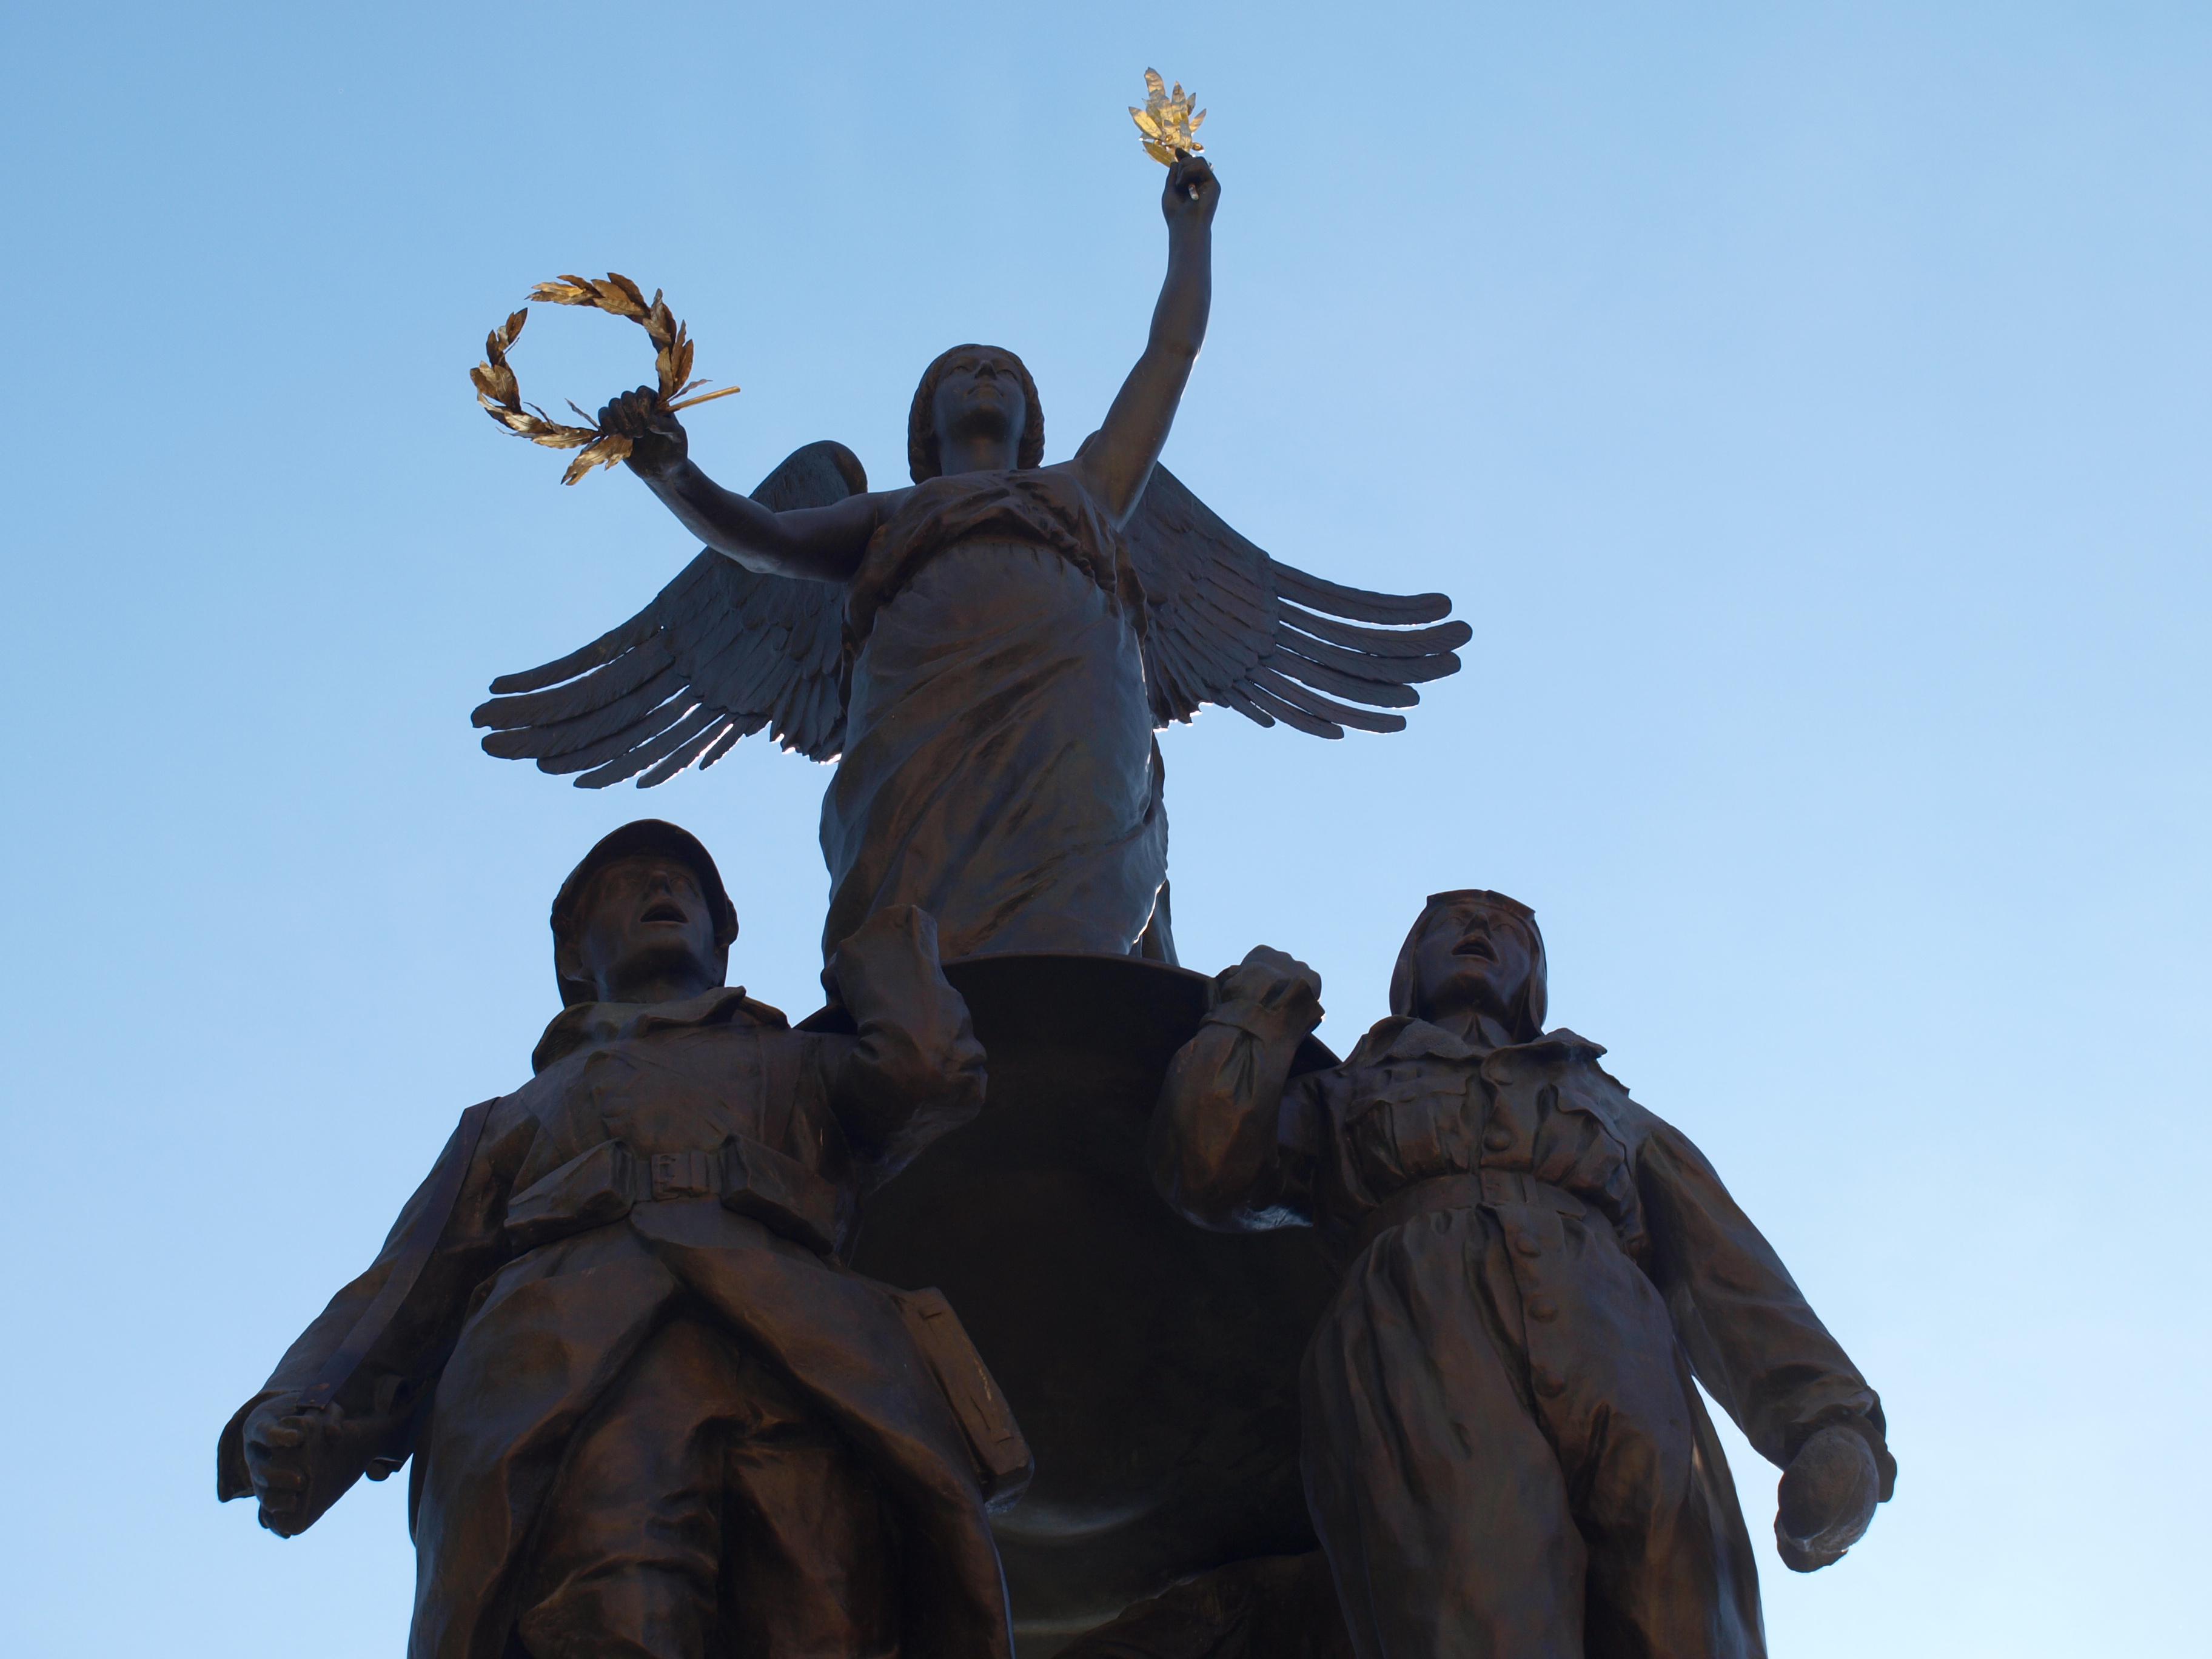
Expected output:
(1507, 1187)
(681, 1175)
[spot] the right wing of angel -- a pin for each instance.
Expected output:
(720, 652)
(1228, 624)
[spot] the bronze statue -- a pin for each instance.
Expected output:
(1504, 1453)
(662, 1399)
(650, 1413)
(987, 653)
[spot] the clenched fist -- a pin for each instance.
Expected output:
(657, 442)
(1275, 980)
(1826, 1499)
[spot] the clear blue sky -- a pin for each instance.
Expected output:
(1807, 405)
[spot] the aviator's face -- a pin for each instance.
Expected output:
(1472, 957)
(980, 395)
(644, 913)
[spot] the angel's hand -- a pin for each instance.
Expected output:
(1192, 195)
(657, 442)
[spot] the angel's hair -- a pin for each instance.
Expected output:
(922, 459)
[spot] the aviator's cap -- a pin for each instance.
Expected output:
(643, 835)
(1533, 998)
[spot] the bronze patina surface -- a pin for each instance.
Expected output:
(985, 652)
(1504, 1451)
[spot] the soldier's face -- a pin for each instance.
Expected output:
(645, 918)
(1473, 958)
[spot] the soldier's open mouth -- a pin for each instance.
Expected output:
(667, 912)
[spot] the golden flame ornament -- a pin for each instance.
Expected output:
(1169, 130)
(502, 397)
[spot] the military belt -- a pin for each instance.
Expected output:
(748, 1176)
(1485, 1189)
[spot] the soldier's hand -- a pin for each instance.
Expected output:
(1826, 1499)
(282, 1447)
(1274, 979)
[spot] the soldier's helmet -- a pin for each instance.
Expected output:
(640, 836)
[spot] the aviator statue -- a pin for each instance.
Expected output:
(987, 653)
(1505, 1452)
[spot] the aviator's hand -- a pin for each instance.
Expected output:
(1191, 194)
(1276, 981)
(657, 442)
(1826, 1499)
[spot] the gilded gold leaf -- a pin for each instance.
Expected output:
(496, 382)
(604, 453)
(1169, 127)
(553, 435)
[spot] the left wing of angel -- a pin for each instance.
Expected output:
(1226, 623)
(719, 652)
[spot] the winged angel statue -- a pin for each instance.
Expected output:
(987, 654)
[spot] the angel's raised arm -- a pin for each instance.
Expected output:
(1119, 460)
(817, 544)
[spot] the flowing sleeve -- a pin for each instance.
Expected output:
(379, 1400)
(1757, 1347)
(915, 1070)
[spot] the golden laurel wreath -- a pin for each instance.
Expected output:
(502, 397)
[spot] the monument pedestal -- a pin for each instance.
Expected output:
(1153, 1366)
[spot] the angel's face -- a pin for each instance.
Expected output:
(979, 403)
(1472, 958)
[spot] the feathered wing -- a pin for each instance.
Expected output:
(720, 653)
(1225, 623)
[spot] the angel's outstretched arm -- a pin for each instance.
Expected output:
(819, 544)
(1119, 461)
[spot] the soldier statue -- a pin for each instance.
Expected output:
(651, 1414)
(1504, 1451)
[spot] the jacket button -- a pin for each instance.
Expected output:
(1497, 1139)
(1543, 1308)
(1527, 1245)
(1549, 1382)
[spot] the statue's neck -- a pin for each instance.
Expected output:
(1474, 1027)
(653, 987)
(976, 454)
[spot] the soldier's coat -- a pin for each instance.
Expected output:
(504, 1349)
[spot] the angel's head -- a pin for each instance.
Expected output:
(976, 402)
(1472, 952)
